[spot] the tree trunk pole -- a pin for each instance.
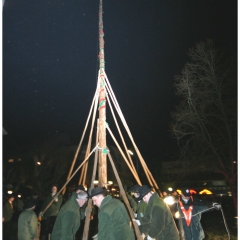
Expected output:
(102, 170)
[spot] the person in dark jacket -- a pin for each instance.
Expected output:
(49, 216)
(69, 218)
(7, 216)
(188, 211)
(158, 222)
(113, 218)
(138, 205)
(27, 222)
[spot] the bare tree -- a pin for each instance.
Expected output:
(205, 121)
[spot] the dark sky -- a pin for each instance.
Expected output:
(50, 64)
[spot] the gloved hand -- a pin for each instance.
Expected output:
(56, 199)
(137, 221)
(217, 206)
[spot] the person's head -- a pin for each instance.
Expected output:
(82, 197)
(54, 188)
(79, 188)
(135, 190)
(164, 193)
(30, 204)
(11, 198)
(97, 195)
(145, 193)
(186, 194)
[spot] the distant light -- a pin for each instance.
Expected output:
(110, 182)
(9, 192)
(19, 159)
(179, 191)
(205, 191)
(38, 163)
(95, 181)
(234, 162)
(19, 195)
(169, 200)
(11, 160)
(113, 189)
(170, 189)
(130, 152)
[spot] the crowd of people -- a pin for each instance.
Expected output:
(155, 219)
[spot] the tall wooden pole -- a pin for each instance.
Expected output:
(102, 167)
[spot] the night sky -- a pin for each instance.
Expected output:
(50, 64)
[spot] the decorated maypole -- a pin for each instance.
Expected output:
(102, 166)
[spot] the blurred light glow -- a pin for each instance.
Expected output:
(205, 191)
(169, 200)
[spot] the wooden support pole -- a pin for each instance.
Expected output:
(122, 192)
(89, 206)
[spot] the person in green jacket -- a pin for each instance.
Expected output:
(69, 218)
(49, 216)
(158, 222)
(7, 216)
(27, 222)
(138, 205)
(113, 218)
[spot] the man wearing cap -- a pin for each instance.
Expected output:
(138, 205)
(27, 222)
(158, 222)
(49, 216)
(113, 218)
(189, 214)
(69, 218)
(7, 216)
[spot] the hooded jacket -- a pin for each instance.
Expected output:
(114, 221)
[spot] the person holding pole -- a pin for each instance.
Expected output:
(157, 223)
(69, 218)
(50, 214)
(113, 218)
